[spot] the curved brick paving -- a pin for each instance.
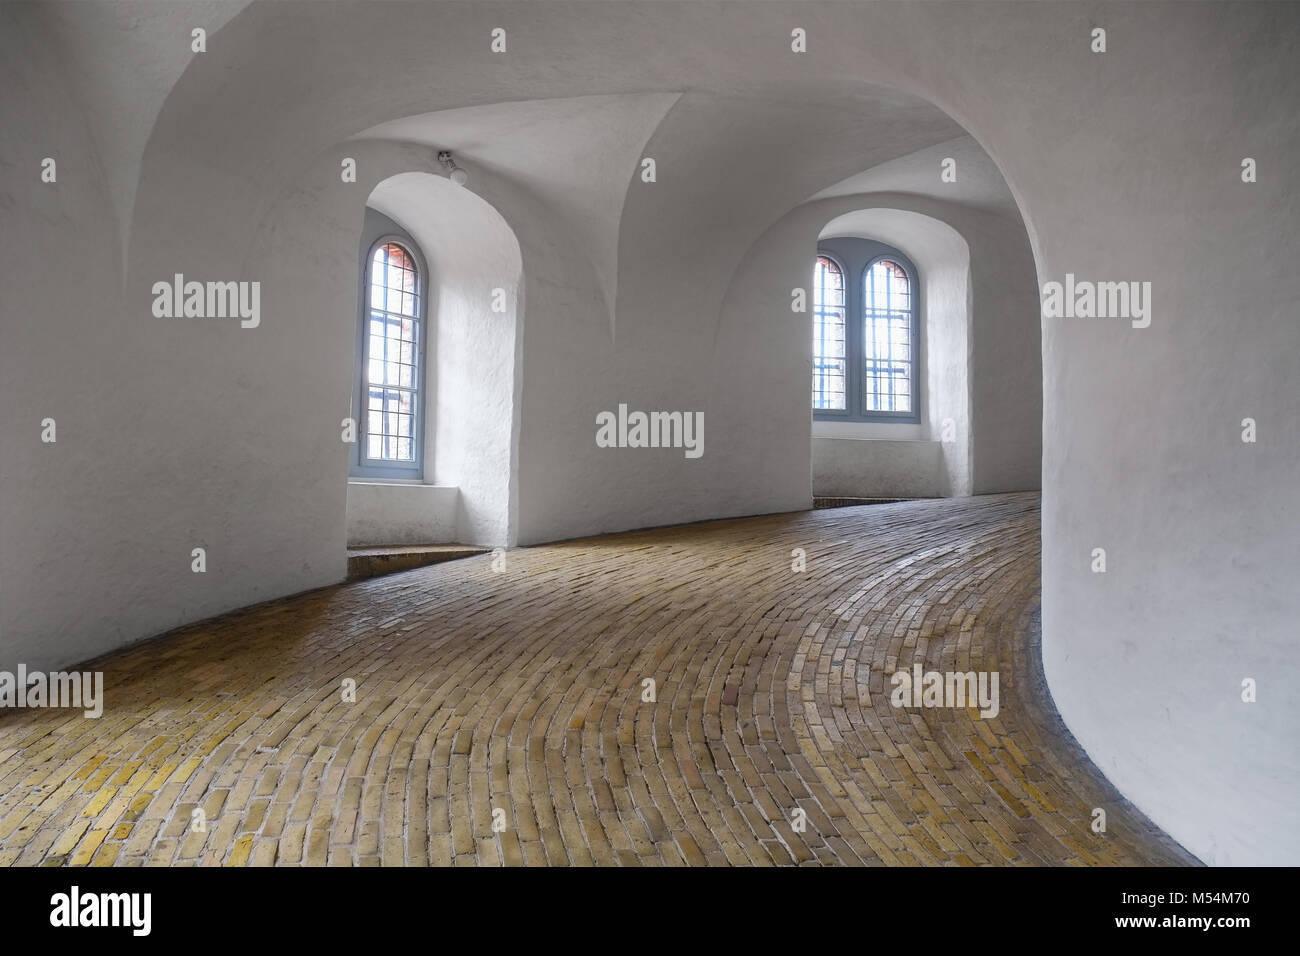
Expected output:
(522, 691)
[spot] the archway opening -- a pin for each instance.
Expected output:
(453, 382)
(903, 428)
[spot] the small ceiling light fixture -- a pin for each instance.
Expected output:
(454, 172)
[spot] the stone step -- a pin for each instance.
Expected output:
(371, 562)
(844, 502)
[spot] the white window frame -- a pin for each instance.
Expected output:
(363, 465)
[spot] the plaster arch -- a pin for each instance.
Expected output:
(986, 372)
(976, 273)
(942, 258)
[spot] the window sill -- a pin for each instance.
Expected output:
(889, 431)
(417, 482)
(891, 441)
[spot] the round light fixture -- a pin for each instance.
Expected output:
(454, 172)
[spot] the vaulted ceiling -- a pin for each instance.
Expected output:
(280, 82)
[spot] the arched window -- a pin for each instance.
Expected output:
(887, 341)
(865, 369)
(829, 369)
(392, 373)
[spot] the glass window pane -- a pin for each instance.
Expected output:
(887, 338)
(829, 368)
(392, 348)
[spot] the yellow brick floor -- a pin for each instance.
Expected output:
(522, 692)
